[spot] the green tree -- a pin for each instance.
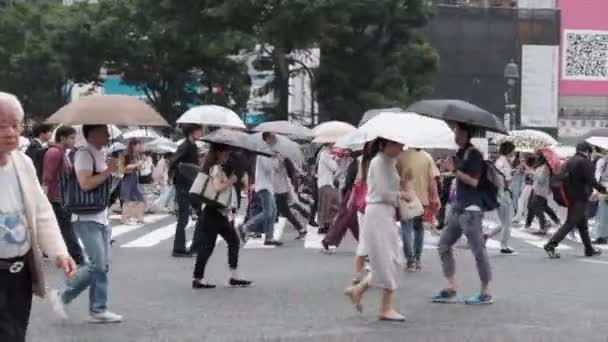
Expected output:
(177, 52)
(373, 56)
(45, 49)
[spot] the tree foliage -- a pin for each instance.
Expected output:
(373, 56)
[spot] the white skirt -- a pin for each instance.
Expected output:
(379, 240)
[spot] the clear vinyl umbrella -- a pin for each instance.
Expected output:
(146, 134)
(237, 139)
(285, 147)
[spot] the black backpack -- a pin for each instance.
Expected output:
(490, 183)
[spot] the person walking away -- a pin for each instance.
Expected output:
(214, 220)
(131, 194)
(517, 180)
(466, 217)
(27, 225)
(424, 172)
(505, 202)
(282, 190)
(147, 165)
(93, 230)
(579, 179)
(541, 192)
(328, 194)
(187, 152)
(527, 169)
(37, 148)
(380, 237)
(600, 232)
(55, 166)
(264, 172)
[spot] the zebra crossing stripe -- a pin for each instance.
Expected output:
(534, 240)
(126, 228)
(153, 238)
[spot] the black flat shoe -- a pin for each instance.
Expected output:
(273, 243)
(196, 284)
(240, 283)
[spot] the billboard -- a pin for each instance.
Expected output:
(539, 86)
(584, 54)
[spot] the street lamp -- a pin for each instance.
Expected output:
(511, 74)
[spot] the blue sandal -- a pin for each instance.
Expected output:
(479, 300)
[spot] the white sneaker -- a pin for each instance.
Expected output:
(105, 317)
(57, 304)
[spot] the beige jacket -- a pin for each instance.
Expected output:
(41, 221)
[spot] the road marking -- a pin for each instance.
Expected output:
(126, 228)
(153, 238)
(313, 238)
(595, 262)
(535, 241)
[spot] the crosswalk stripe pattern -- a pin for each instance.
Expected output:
(312, 240)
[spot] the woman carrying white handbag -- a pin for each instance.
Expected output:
(213, 191)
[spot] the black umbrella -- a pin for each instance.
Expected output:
(370, 114)
(238, 139)
(459, 111)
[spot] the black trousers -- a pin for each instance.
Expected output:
(15, 304)
(577, 218)
(209, 225)
(283, 210)
(64, 218)
(538, 207)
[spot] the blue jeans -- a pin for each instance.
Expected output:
(415, 227)
(183, 216)
(265, 218)
(94, 274)
(517, 184)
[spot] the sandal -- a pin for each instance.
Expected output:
(350, 293)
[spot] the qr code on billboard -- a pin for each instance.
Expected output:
(585, 55)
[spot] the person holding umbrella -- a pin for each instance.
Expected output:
(465, 217)
(579, 179)
(187, 152)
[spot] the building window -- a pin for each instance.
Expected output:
(584, 123)
(573, 123)
(563, 123)
(593, 123)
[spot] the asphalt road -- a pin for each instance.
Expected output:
(298, 297)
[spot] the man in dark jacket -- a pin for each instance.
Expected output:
(187, 152)
(42, 134)
(579, 180)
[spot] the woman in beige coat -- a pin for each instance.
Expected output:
(27, 224)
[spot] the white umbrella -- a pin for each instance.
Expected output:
(527, 139)
(141, 134)
(161, 145)
(286, 128)
(212, 115)
(115, 134)
(116, 147)
(601, 142)
(410, 129)
(286, 147)
(564, 151)
(332, 131)
(237, 139)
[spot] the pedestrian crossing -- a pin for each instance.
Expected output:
(158, 228)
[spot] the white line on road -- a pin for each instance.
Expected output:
(153, 238)
(126, 228)
(596, 262)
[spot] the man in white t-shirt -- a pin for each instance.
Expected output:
(93, 229)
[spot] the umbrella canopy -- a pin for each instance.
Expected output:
(410, 129)
(141, 134)
(237, 139)
(286, 128)
(212, 115)
(116, 147)
(564, 151)
(119, 110)
(459, 111)
(332, 131)
(601, 142)
(161, 145)
(599, 132)
(370, 114)
(115, 134)
(527, 140)
(286, 147)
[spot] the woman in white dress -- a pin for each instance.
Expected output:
(380, 236)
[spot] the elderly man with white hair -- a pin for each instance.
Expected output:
(27, 224)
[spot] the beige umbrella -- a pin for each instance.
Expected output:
(118, 110)
(332, 131)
